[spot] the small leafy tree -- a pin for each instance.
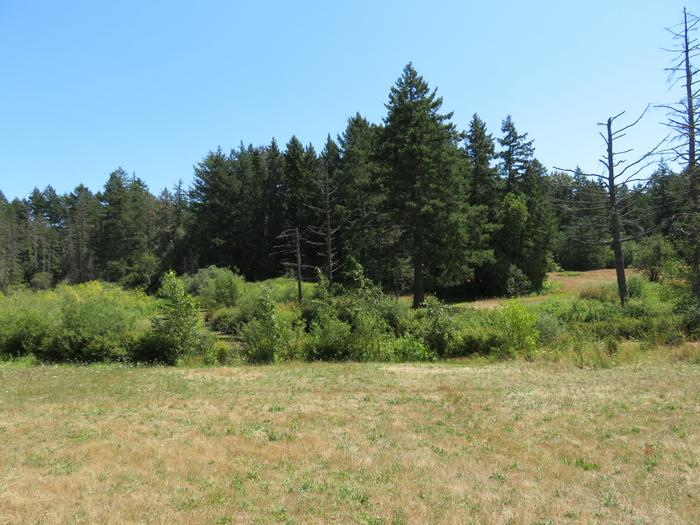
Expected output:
(652, 254)
(176, 326)
(262, 336)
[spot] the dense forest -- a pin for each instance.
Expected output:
(421, 205)
(418, 203)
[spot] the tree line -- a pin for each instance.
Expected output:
(421, 205)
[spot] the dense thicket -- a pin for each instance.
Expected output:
(419, 204)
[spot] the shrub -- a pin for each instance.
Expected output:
(369, 331)
(152, 347)
(438, 327)
(549, 327)
(262, 335)
(409, 348)
(88, 322)
(635, 287)
(294, 336)
(652, 256)
(517, 329)
(329, 338)
(28, 321)
(96, 322)
(517, 282)
(42, 281)
(216, 287)
(225, 319)
(176, 325)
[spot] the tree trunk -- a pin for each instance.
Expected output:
(692, 163)
(297, 240)
(692, 159)
(418, 284)
(615, 220)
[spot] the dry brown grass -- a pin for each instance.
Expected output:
(349, 443)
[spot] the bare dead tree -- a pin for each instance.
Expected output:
(325, 234)
(683, 120)
(620, 173)
(288, 245)
(682, 117)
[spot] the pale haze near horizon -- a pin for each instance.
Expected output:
(153, 86)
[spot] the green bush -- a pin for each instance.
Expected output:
(517, 282)
(28, 322)
(215, 287)
(41, 281)
(550, 328)
(438, 327)
(88, 322)
(653, 254)
(177, 323)
(517, 327)
(226, 319)
(262, 335)
(635, 287)
(329, 338)
(408, 348)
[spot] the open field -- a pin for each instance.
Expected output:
(564, 284)
(458, 442)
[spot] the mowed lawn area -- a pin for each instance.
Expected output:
(459, 442)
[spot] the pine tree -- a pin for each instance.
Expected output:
(480, 148)
(366, 235)
(426, 194)
(515, 156)
(82, 224)
(540, 227)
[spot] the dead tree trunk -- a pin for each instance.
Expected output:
(682, 119)
(297, 245)
(613, 179)
(615, 229)
(289, 246)
(326, 233)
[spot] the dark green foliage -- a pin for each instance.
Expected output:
(516, 155)
(408, 348)
(437, 326)
(329, 338)
(581, 214)
(423, 171)
(420, 205)
(483, 180)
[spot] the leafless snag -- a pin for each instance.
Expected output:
(325, 234)
(289, 245)
(619, 173)
(683, 120)
(682, 117)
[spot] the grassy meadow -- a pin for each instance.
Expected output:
(546, 409)
(457, 442)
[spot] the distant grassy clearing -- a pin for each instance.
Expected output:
(350, 443)
(565, 284)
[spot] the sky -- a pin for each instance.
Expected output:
(152, 86)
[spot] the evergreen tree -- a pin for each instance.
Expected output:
(366, 235)
(426, 194)
(515, 156)
(210, 200)
(82, 224)
(540, 228)
(480, 148)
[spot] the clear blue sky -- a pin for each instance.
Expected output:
(152, 86)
